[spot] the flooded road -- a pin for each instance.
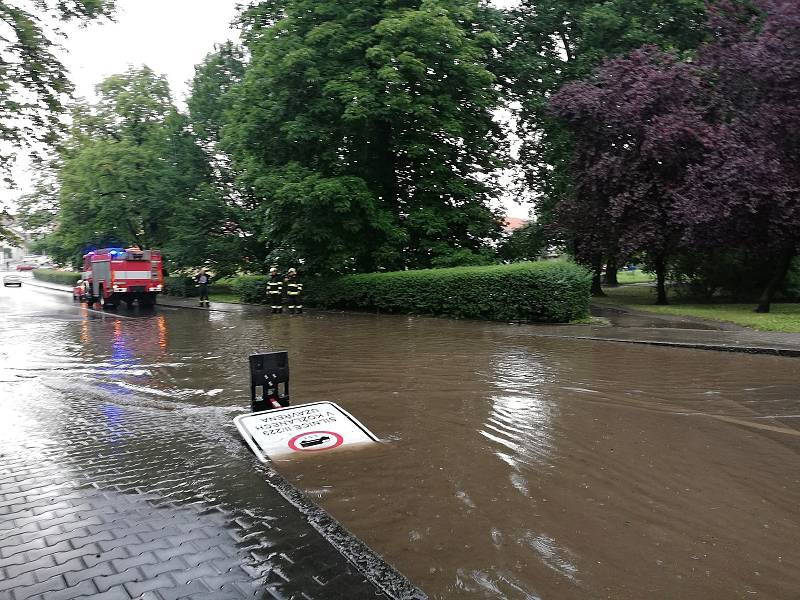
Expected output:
(515, 466)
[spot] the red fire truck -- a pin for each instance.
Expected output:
(116, 275)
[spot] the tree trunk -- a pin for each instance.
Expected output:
(661, 281)
(782, 265)
(597, 279)
(611, 272)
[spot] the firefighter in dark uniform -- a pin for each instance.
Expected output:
(275, 290)
(294, 292)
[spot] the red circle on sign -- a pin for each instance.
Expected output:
(293, 443)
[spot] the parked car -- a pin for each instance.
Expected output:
(26, 267)
(12, 280)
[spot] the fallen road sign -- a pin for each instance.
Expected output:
(306, 428)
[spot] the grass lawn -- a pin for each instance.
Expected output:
(783, 317)
(229, 298)
(636, 276)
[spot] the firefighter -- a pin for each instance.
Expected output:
(275, 290)
(294, 291)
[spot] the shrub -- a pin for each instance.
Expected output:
(553, 292)
(185, 287)
(251, 289)
(791, 284)
(182, 287)
(53, 276)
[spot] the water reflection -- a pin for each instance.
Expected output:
(520, 421)
(517, 467)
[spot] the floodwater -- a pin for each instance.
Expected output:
(514, 466)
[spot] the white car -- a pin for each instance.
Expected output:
(12, 280)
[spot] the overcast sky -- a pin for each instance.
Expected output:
(169, 36)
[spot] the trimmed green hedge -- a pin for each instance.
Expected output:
(60, 277)
(251, 289)
(185, 287)
(182, 287)
(546, 291)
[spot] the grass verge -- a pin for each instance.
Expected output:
(782, 318)
(636, 276)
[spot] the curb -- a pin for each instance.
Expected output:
(785, 352)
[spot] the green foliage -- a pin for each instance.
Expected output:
(251, 289)
(213, 78)
(552, 42)
(791, 284)
(185, 287)
(462, 257)
(554, 292)
(33, 82)
(182, 287)
(365, 130)
(6, 234)
(129, 170)
(525, 243)
(218, 228)
(60, 277)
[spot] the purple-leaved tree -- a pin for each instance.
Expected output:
(637, 124)
(744, 192)
(699, 154)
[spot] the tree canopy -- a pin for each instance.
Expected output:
(33, 81)
(366, 130)
(700, 155)
(128, 164)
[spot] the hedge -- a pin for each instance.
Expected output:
(53, 276)
(545, 291)
(185, 287)
(251, 289)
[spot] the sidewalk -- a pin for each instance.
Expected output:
(107, 496)
(625, 325)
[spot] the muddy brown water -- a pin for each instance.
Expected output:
(513, 466)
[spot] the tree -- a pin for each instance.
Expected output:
(552, 42)
(366, 131)
(637, 125)
(220, 229)
(33, 82)
(745, 192)
(128, 164)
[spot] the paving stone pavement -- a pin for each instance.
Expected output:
(119, 501)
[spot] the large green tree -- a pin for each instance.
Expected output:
(128, 166)
(365, 129)
(33, 81)
(219, 229)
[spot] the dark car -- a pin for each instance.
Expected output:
(12, 280)
(315, 441)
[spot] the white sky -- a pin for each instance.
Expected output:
(169, 36)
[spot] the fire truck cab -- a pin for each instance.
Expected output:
(115, 275)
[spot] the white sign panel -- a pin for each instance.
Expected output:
(315, 427)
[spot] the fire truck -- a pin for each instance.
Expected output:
(115, 275)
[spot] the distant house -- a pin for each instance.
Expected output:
(7, 250)
(513, 223)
